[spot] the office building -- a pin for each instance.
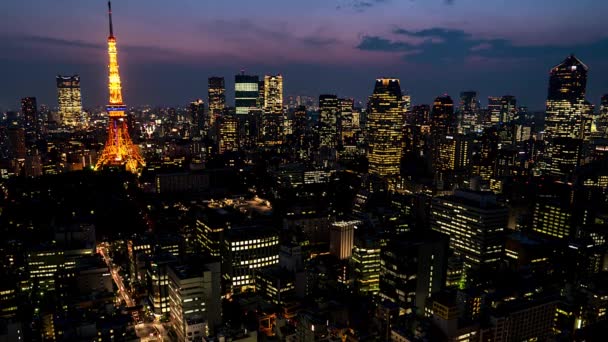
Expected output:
(412, 268)
(443, 121)
(366, 267)
(346, 124)
(228, 133)
(602, 120)
(341, 238)
(568, 112)
(407, 102)
(468, 111)
(16, 141)
(385, 128)
(494, 109)
(328, 120)
(245, 250)
(565, 157)
(475, 223)
(272, 122)
(195, 298)
(217, 98)
(508, 109)
(197, 112)
(246, 93)
(273, 94)
(29, 111)
(69, 100)
(158, 283)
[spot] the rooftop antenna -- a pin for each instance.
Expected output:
(110, 17)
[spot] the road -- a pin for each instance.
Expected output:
(124, 295)
(147, 332)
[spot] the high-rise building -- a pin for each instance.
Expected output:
(119, 150)
(29, 110)
(217, 98)
(602, 120)
(568, 112)
(195, 299)
(420, 115)
(494, 109)
(565, 156)
(385, 128)
(508, 109)
(328, 120)
(197, 112)
(476, 224)
(442, 116)
(346, 124)
(246, 93)
(412, 268)
(273, 94)
(468, 111)
(341, 238)
(16, 140)
(366, 266)
(69, 99)
(245, 249)
(228, 133)
(407, 102)
(272, 123)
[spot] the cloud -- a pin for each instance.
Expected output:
(442, 45)
(361, 5)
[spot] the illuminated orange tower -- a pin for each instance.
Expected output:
(119, 149)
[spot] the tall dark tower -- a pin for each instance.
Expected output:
(602, 120)
(442, 116)
(217, 98)
(469, 111)
(568, 80)
(385, 128)
(29, 109)
(197, 112)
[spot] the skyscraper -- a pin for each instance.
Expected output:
(494, 109)
(476, 224)
(602, 120)
(29, 110)
(568, 112)
(346, 124)
(569, 115)
(245, 93)
(328, 120)
(69, 99)
(273, 94)
(508, 109)
(442, 116)
(412, 268)
(385, 128)
(341, 238)
(197, 112)
(228, 133)
(119, 150)
(217, 98)
(272, 123)
(469, 111)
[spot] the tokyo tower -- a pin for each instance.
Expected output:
(119, 150)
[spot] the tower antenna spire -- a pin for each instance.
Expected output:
(110, 18)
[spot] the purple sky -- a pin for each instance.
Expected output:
(167, 49)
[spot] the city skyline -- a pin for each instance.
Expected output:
(165, 43)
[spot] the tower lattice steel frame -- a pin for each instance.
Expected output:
(119, 150)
